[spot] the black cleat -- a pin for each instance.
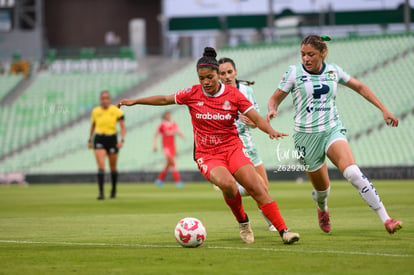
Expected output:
(113, 195)
(100, 197)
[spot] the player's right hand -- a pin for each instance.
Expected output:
(126, 102)
(154, 149)
(271, 114)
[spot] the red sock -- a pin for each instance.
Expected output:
(175, 173)
(163, 173)
(271, 211)
(236, 207)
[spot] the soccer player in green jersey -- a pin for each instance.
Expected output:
(228, 76)
(318, 130)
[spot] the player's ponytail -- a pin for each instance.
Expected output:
(208, 60)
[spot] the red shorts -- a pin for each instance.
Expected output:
(169, 152)
(232, 159)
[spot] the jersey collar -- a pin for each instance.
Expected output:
(318, 73)
(219, 93)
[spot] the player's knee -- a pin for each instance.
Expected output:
(352, 173)
(255, 188)
(227, 185)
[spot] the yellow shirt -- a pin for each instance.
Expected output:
(105, 119)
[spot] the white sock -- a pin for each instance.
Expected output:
(269, 223)
(242, 191)
(367, 190)
(321, 198)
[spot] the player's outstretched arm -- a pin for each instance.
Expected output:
(274, 103)
(264, 125)
(366, 92)
(151, 100)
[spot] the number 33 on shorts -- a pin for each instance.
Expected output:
(202, 166)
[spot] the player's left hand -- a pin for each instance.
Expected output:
(277, 135)
(119, 145)
(126, 102)
(390, 119)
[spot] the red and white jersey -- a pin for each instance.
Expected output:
(213, 116)
(168, 130)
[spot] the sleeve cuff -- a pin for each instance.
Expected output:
(247, 110)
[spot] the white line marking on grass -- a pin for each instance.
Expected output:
(293, 250)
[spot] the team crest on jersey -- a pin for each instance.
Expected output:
(331, 75)
(226, 105)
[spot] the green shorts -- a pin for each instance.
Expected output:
(254, 156)
(312, 148)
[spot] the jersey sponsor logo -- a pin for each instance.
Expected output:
(319, 90)
(311, 109)
(200, 103)
(305, 78)
(226, 105)
(217, 116)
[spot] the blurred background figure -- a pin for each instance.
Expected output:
(168, 129)
(19, 65)
(103, 139)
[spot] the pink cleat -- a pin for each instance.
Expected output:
(324, 222)
(392, 225)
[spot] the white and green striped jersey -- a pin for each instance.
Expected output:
(314, 96)
(243, 129)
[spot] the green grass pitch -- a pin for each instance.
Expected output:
(63, 229)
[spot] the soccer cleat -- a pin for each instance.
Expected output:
(100, 197)
(113, 195)
(272, 228)
(159, 183)
(392, 225)
(324, 221)
(246, 232)
(290, 237)
(180, 184)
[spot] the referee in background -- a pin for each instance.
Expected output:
(103, 139)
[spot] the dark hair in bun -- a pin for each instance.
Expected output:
(208, 60)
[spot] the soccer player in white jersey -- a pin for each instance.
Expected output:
(319, 132)
(228, 74)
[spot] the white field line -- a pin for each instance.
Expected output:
(292, 250)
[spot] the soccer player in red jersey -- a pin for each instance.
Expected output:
(219, 152)
(168, 129)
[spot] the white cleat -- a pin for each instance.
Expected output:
(290, 237)
(246, 232)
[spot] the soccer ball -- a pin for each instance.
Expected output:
(190, 232)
